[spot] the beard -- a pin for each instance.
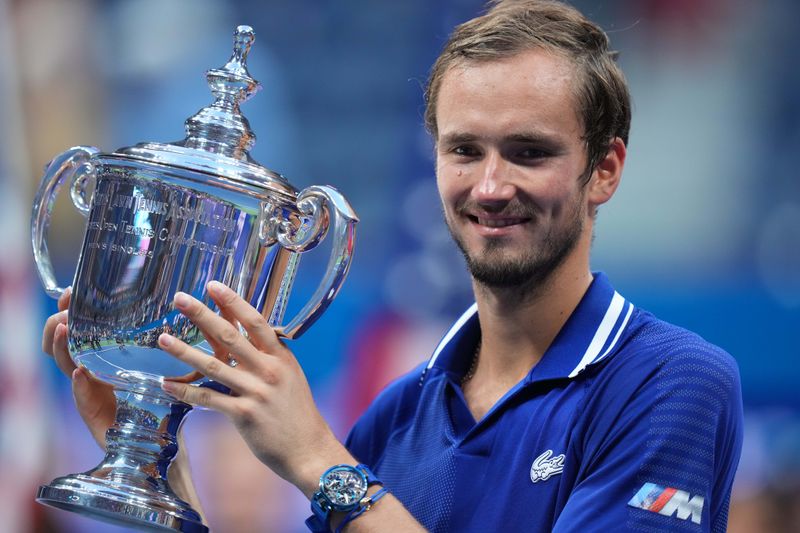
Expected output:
(494, 267)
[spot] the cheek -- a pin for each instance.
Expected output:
(574, 206)
(451, 186)
(560, 199)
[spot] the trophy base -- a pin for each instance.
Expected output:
(105, 501)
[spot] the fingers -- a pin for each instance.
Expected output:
(232, 305)
(49, 330)
(95, 402)
(63, 300)
(51, 325)
(209, 366)
(202, 396)
(60, 351)
(220, 351)
(224, 337)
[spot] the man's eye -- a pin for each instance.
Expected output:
(466, 151)
(531, 153)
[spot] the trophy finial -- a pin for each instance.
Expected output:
(220, 127)
(243, 38)
(232, 81)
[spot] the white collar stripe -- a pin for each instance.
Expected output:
(602, 334)
(617, 336)
(450, 334)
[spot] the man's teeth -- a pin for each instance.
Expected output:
(498, 223)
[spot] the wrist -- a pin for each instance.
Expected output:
(345, 491)
(374, 493)
(179, 477)
(310, 471)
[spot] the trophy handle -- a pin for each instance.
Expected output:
(73, 164)
(318, 206)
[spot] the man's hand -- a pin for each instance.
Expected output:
(96, 402)
(270, 402)
(94, 399)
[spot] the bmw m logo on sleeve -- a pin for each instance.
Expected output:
(544, 467)
(668, 501)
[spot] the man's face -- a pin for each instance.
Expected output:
(511, 166)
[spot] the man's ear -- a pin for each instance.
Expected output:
(606, 175)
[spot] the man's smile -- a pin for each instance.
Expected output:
(497, 222)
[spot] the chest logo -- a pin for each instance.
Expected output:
(545, 466)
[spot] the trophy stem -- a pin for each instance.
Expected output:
(129, 487)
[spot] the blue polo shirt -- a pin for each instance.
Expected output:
(627, 423)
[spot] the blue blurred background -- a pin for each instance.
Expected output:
(704, 231)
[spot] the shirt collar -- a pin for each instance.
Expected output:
(590, 335)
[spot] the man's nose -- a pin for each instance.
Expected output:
(494, 185)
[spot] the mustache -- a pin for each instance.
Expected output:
(515, 208)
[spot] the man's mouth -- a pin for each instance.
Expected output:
(497, 222)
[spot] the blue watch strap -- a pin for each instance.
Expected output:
(321, 506)
(372, 479)
(363, 506)
(319, 521)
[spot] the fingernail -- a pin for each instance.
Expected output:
(61, 330)
(68, 290)
(182, 299)
(78, 376)
(169, 386)
(165, 339)
(215, 287)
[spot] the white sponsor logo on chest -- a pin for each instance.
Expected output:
(545, 466)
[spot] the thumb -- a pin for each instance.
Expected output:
(95, 402)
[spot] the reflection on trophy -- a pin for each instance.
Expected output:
(164, 218)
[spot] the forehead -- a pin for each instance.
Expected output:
(533, 90)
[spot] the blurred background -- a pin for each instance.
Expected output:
(704, 231)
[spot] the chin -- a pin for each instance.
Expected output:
(501, 264)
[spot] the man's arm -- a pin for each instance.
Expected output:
(96, 403)
(271, 392)
(94, 399)
(271, 403)
(663, 452)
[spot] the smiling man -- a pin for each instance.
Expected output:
(553, 403)
(519, 200)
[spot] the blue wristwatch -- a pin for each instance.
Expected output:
(341, 489)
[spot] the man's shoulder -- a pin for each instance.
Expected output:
(663, 414)
(654, 345)
(659, 361)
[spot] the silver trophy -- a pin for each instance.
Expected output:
(164, 218)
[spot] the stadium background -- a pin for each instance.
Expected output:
(705, 230)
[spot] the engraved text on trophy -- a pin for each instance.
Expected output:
(144, 242)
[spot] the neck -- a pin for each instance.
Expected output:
(518, 326)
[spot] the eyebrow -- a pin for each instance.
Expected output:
(457, 138)
(531, 137)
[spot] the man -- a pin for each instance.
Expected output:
(553, 404)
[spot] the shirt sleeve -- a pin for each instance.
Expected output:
(659, 446)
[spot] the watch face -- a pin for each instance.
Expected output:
(344, 486)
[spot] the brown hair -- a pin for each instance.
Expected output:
(513, 26)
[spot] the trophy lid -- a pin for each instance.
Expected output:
(218, 137)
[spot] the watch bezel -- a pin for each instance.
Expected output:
(337, 500)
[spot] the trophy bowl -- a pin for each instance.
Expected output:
(163, 218)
